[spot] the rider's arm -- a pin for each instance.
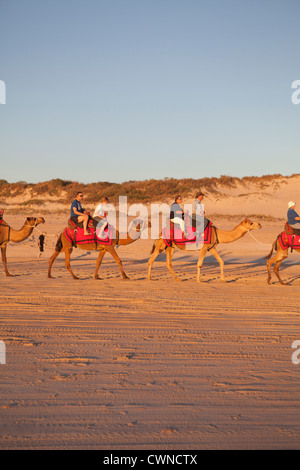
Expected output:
(76, 211)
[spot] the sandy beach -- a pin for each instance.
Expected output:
(156, 111)
(138, 364)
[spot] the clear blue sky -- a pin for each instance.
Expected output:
(120, 90)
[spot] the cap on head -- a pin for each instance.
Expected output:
(291, 204)
(199, 193)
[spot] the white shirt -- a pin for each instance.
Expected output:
(99, 211)
(198, 207)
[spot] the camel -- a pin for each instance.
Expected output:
(8, 234)
(277, 259)
(64, 245)
(218, 236)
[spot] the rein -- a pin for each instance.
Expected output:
(8, 238)
(32, 226)
(267, 244)
(216, 241)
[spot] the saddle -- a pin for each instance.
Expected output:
(290, 230)
(75, 234)
(173, 233)
(196, 223)
(72, 223)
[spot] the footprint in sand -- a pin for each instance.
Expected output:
(125, 357)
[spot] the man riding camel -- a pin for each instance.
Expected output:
(198, 219)
(293, 218)
(78, 214)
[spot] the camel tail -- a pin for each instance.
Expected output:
(271, 252)
(58, 245)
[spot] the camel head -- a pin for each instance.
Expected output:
(249, 225)
(33, 221)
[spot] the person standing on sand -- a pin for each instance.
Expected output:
(41, 244)
(77, 212)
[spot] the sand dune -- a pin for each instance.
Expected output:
(265, 196)
(140, 364)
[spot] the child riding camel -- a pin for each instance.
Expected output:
(100, 216)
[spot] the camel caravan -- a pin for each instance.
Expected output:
(182, 230)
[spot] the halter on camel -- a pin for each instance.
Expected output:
(6, 225)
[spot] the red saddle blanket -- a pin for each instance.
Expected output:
(174, 234)
(76, 235)
(287, 241)
(1, 215)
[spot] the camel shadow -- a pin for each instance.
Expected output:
(16, 275)
(138, 261)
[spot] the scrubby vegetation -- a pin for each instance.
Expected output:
(136, 191)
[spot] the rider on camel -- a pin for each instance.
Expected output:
(78, 214)
(177, 214)
(293, 218)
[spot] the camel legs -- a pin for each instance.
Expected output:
(114, 254)
(214, 252)
(159, 248)
(68, 252)
(51, 261)
(169, 252)
(202, 254)
(277, 260)
(3, 253)
(98, 263)
(276, 271)
(269, 264)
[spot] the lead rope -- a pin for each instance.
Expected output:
(267, 244)
(35, 227)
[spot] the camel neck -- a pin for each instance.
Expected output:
(227, 236)
(20, 235)
(128, 240)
